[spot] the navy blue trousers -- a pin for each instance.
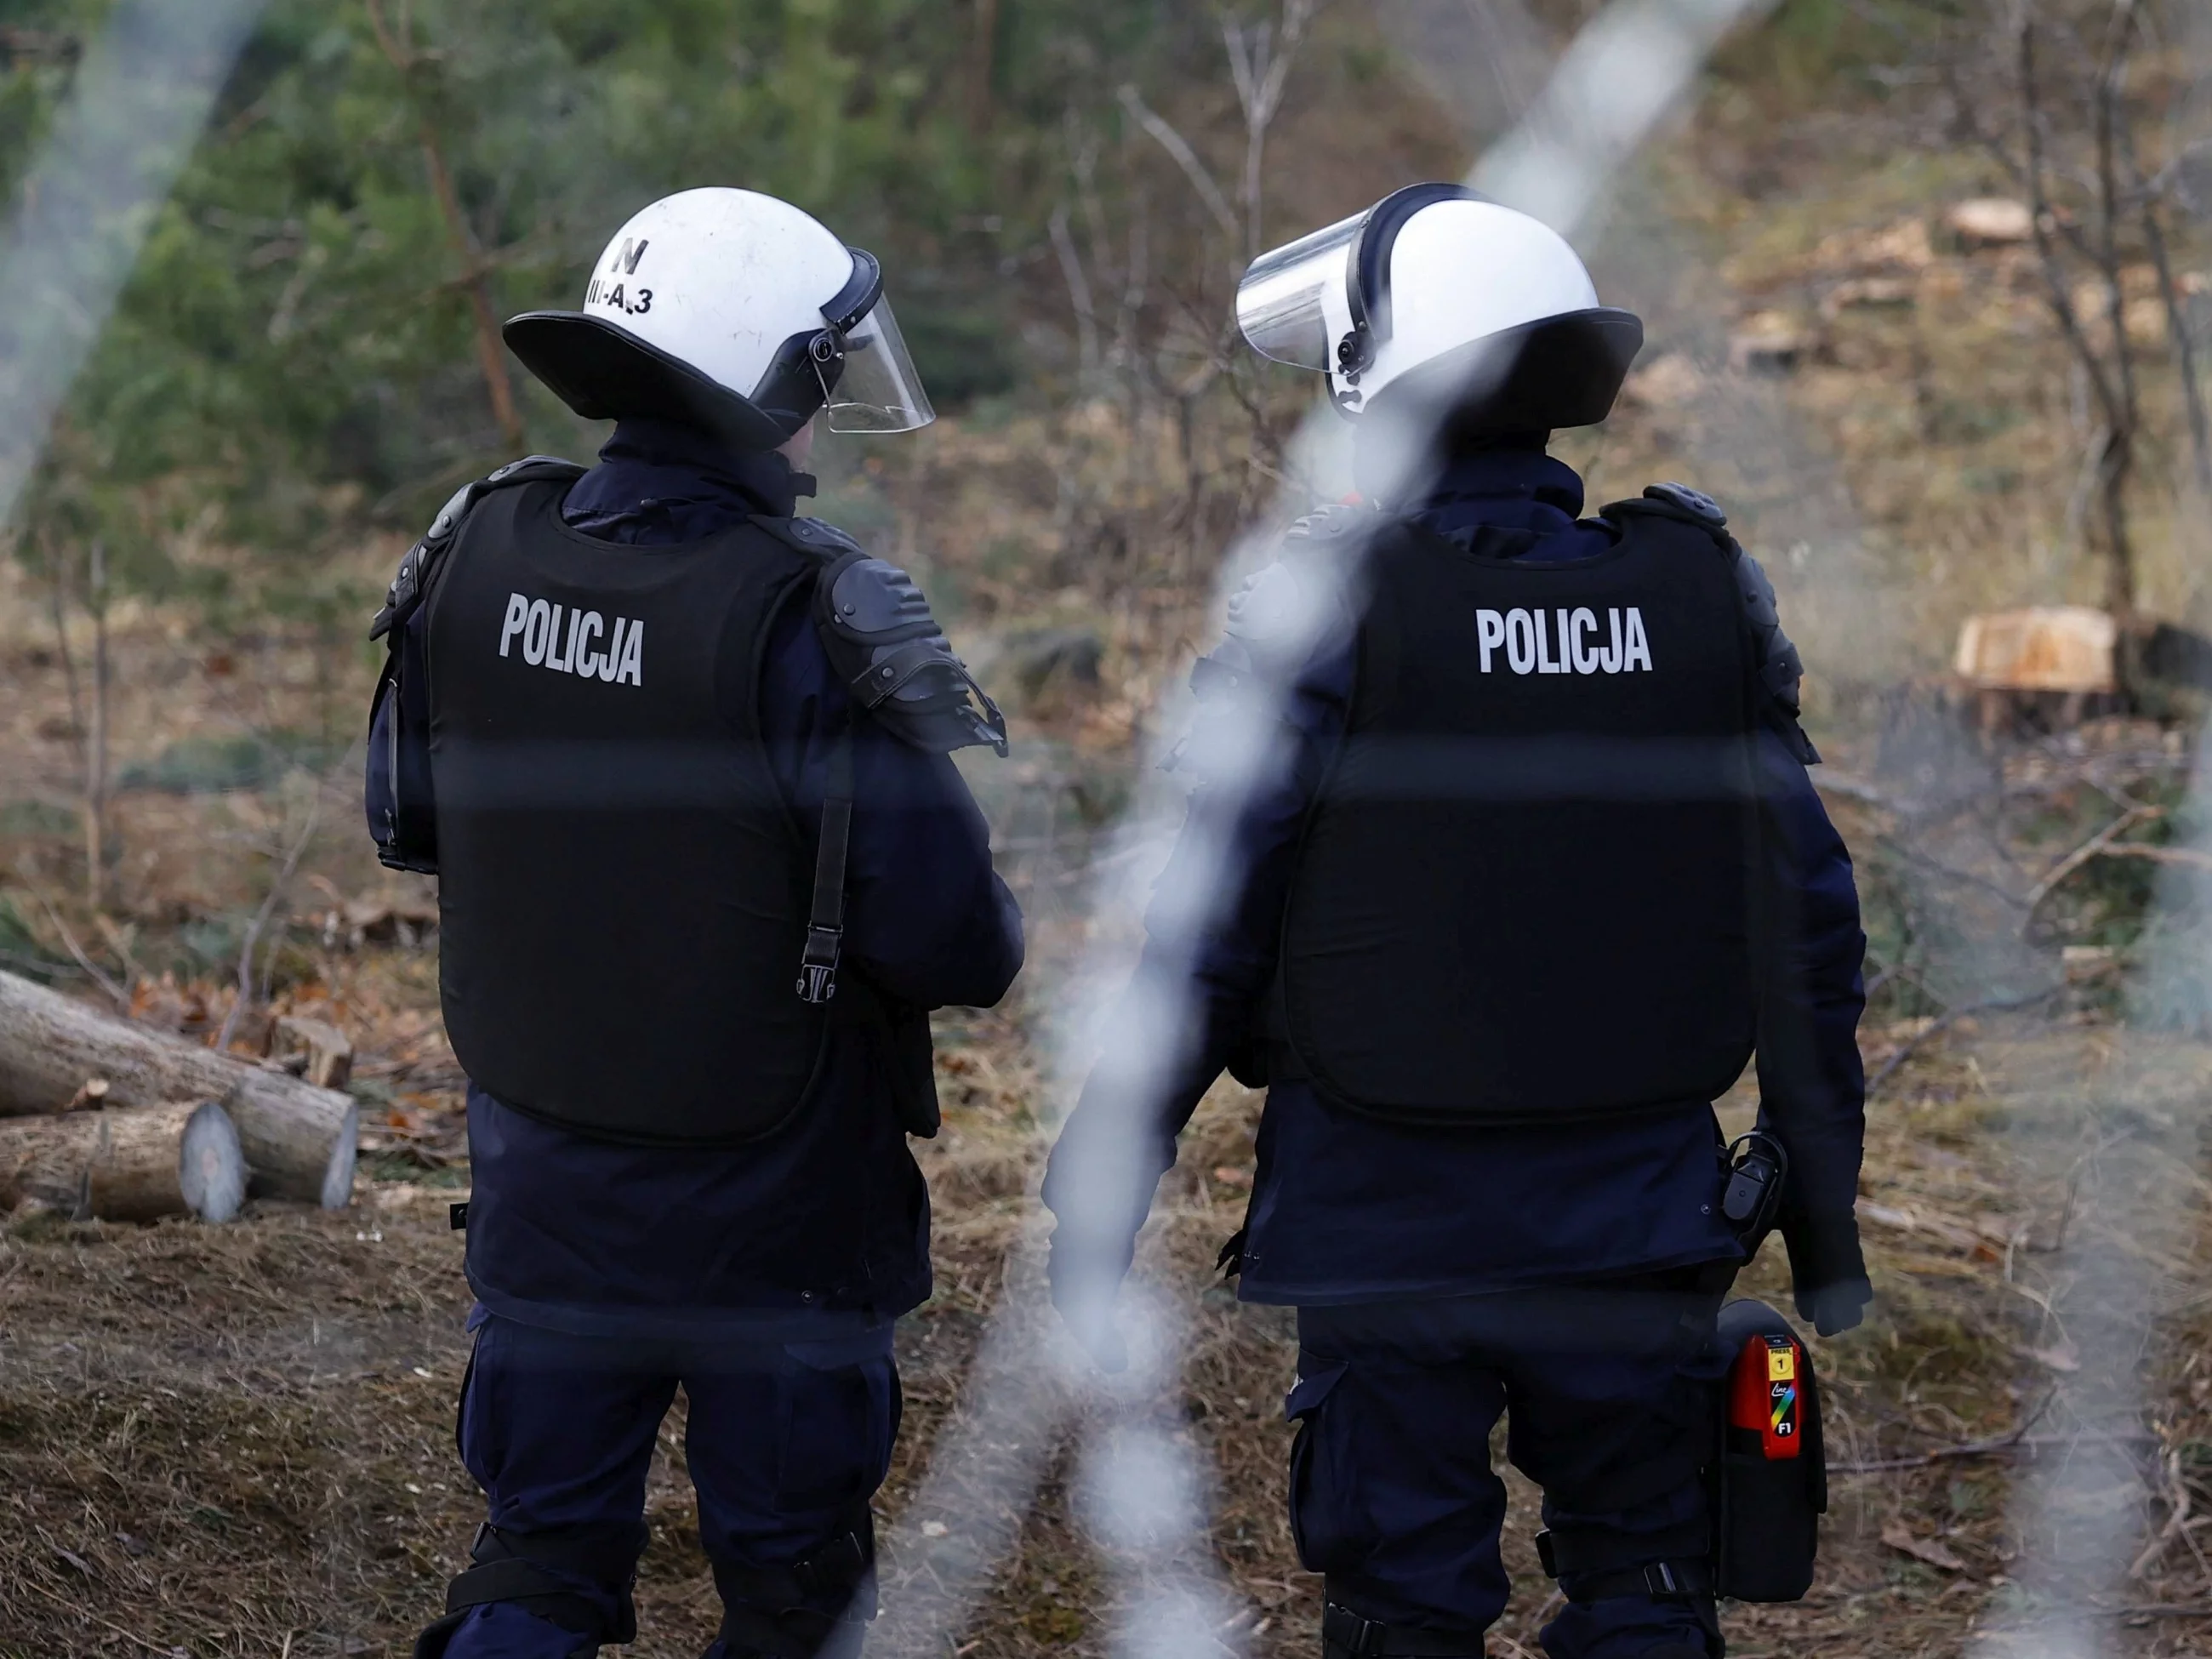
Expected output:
(1610, 1396)
(786, 1442)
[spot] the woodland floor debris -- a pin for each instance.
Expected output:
(218, 1439)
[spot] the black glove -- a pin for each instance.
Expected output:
(1085, 1275)
(1827, 1270)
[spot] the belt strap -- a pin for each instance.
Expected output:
(1343, 1631)
(834, 1573)
(1662, 1581)
(825, 921)
(1590, 1568)
(794, 1633)
(527, 1569)
(814, 1608)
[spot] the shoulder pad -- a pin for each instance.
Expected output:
(414, 573)
(877, 630)
(1332, 521)
(1781, 670)
(1677, 502)
(1695, 502)
(808, 535)
(530, 469)
(1265, 608)
(1273, 626)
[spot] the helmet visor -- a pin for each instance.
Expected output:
(1292, 300)
(879, 390)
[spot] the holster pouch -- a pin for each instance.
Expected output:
(1770, 1478)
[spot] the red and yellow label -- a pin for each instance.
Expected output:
(1764, 1396)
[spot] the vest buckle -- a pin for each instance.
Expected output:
(817, 963)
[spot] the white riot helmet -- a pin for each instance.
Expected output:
(1445, 304)
(735, 312)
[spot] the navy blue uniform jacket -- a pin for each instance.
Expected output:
(1345, 1208)
(828, 1221)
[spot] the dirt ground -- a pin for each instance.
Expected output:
(234, 1441)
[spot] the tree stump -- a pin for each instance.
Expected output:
(298, 1140)
(181, 1157)
(312, 1048)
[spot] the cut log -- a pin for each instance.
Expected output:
(1990, 222)
(298, 1140)
(137, 1164)
(1769, 344)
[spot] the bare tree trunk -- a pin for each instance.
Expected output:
(2118, 463)
(96, 742)
(2177, 312)
(2113, 382)
(982, 66)
(476, 278)
(2114, 470)
(398, 48)
(1079, 297)
(180, 1157)
(298, 1140)
(1259, 62)
(2184, 348)
(60, 594)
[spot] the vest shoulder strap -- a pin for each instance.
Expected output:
(811, 536)
(882, 641)
(1781, 670)
(412, 581)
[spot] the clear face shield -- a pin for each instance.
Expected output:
(1292, 305)
(880, 389)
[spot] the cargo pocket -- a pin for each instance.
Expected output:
(461, 1406)
(479, 1422)
(1330, 1532)
(837, 1425)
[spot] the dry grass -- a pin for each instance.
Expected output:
(220, 1440)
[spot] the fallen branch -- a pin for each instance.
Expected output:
(2125, 1610)
(2177, 1520)
(2017, 1441)
(1950, 1454)
(1944, 1022)
(2096, 846)
(115, 993)
(2189, 858)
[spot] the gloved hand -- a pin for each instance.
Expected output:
(1827, 1270)
(1086, 1278)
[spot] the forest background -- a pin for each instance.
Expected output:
(1926, 293)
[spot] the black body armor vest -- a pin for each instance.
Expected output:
(625, 891)
(1527, 888)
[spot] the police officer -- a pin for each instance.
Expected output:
(1542, 868)
(679, 759)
